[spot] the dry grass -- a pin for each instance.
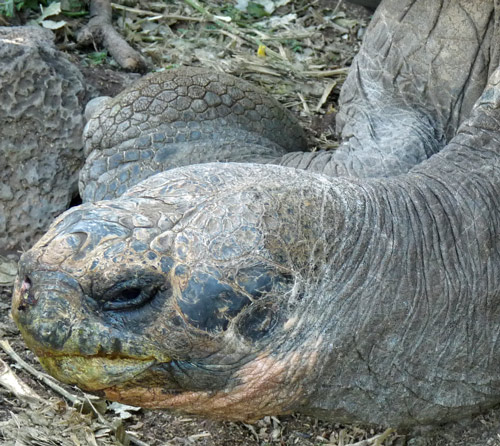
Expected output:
(299, 52)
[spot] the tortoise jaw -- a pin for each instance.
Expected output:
(93, 373)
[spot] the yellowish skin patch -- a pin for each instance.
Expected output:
(94, 373)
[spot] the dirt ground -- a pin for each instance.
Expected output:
(306, 49)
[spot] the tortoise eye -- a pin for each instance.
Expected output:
(129, 298)
(130, 294)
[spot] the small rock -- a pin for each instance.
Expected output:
(41, 123)
(8, 271)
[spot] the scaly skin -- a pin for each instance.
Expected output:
(180, 117)
(241, 290)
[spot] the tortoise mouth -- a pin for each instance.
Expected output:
(92, 373)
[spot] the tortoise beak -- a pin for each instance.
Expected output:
(94, 373)
(72, 344)
(41, 309)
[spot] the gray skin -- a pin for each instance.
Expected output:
(242, 290)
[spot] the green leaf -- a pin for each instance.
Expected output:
(256, 10)
(72, 6)
(52, 9)
(97, 57)
(7, 8)
(346, 23)
(51, 24)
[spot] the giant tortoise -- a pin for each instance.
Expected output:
(361, 284)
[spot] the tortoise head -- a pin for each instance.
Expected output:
(183, 294)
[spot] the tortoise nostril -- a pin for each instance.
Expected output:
(27, 298)
(26, 285)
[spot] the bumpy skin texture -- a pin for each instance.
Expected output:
(41, 121)
(181, 117)
(242, 290)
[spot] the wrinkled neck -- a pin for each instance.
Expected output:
(410, 293)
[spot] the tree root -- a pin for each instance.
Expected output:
(100, 30)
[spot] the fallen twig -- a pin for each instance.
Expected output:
(326, 92)
(101, 30)
(13, 384)
(326, 73)
(155, 15)
(304, 104)
(133, 439)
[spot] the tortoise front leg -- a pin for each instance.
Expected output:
(181, 117)
(422, 65)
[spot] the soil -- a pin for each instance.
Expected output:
(313, 50)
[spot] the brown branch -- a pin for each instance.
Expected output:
(13, 384)
(100, 30)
